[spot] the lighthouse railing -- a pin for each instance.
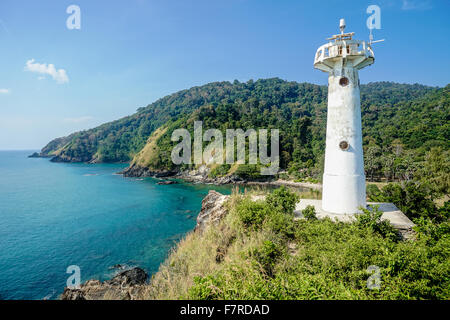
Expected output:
(342, 49)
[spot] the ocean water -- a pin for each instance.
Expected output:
(53, 215)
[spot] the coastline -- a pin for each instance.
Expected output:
(200, 176)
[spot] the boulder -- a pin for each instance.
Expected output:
(167, 182)
(213, 210)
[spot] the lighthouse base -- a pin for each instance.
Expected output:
(343, 194)
(390, 212)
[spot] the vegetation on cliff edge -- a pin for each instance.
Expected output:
(258, 251)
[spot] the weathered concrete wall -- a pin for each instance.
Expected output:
(344, 188)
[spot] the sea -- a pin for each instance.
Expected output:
(57, 215)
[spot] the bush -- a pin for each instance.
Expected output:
(332, 263)
(248, 171)
(252, 213)
(412, 199)
(283, 200)
(373, 193)
(371, 219)
(309, 213)
(219, 171)
(275, 213)
(267, 256)
(430, 231)
(204, 289)
(281, 224)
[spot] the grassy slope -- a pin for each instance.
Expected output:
(147, 157)
(313, 260)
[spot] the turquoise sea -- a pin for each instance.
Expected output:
(53, 215)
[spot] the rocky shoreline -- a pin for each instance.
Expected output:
(201, 176)
(127, 285)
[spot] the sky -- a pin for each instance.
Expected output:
(127, 54)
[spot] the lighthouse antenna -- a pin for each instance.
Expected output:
(371, 41)
(342, 25)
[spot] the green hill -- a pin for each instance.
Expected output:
(395, 117)
(411, 118)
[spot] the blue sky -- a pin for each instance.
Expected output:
(129, 53)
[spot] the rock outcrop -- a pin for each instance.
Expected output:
(137, 171)
(127, 285)
(167, 182)
(213, 210)
(200, 175)
(39, 155)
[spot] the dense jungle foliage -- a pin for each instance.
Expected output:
(401, 123)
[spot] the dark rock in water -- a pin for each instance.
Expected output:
(167, 182)
(130, 277)
(127, 285)
(136, 171)
(118, 266)
(163, 174)
(39, 155)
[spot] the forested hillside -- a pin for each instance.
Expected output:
(400, 123)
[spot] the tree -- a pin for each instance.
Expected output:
(372, 162)
(435, 173)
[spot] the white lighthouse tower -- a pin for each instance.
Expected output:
(344, 188)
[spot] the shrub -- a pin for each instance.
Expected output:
(371, 219)
(309, 213)
(306, 259)
(332, 264)
(281, 224)
(283, 200)
(219, 171)
(412, 199)
(248, 171)
(204, 288)
(430, 231)
(252, 213)
(373, 193)
(267, 256)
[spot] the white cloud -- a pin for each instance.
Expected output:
(78, 120)
(5, 91)
(416, 5)
(59, 75)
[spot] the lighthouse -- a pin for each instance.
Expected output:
(344, 188)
